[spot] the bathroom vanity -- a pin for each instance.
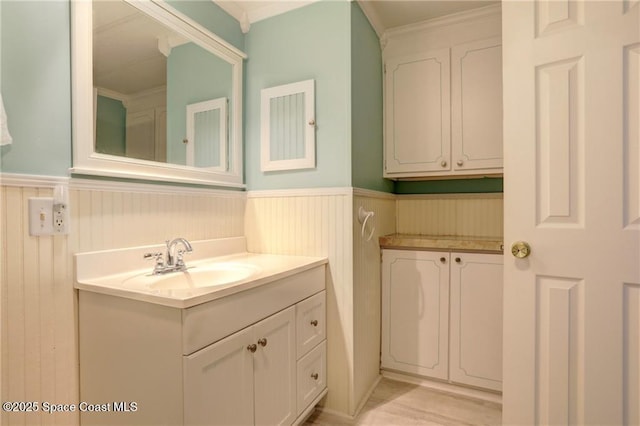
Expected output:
(248, 350)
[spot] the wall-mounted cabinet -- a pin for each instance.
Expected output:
(443, 99)
(442, 316)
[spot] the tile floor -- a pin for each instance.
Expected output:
(395, 403)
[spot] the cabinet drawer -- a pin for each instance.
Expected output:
(310, 323)
(311, 376)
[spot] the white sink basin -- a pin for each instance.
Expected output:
(211, 275)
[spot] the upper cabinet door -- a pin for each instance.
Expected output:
(476, 98)
(417, 113)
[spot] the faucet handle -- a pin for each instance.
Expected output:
(156, 256)
(179, 257)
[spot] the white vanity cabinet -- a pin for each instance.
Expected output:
(442, 315)
(250, 374)
(443, 98)
(252, 357)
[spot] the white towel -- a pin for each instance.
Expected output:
(5, 136)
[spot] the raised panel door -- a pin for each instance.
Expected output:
(417, 113)
(571, 80)
(275, 369)
(415, 314)
(218, 382)
(476, 105)
(476, 320)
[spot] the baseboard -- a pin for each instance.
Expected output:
(367, 396)
(445, 387)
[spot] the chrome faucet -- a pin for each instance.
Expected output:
(174, 259)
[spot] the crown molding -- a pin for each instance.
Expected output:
(443, 21)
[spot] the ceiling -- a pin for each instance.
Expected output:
(383, 14)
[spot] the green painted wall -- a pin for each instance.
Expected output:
(366, 109)
(111, 130)
(449, 186)
(193, 75)
(212, 17)
(312, 42)
(36, 86)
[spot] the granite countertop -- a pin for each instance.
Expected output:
(442, 242)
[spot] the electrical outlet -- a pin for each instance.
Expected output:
(60, 219)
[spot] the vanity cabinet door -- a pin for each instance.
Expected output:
(415, 314)
(274, 369)
(476, 320)
(218, 382)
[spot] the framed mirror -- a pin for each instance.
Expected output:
(156, 96)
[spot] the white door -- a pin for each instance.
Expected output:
(274, 366)
(218, 382)
(572, 191)
(476, 320)
(415, 312)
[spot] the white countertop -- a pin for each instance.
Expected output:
(97, 272)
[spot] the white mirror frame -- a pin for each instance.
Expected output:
(88, 162)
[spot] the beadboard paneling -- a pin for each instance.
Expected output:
(474, 215)
(366, 291)
(315, 225)
(37, 299)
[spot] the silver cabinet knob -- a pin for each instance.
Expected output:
(252, 348)
(520, 249)
(460, 163)
(443, 163)
(262, 342)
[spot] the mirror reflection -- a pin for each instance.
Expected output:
(157, 96)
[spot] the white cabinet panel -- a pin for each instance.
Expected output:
(476, 320)
(218, 382)
(311, 375)
(417, 113)
(274, 369)
(310, 323)
(415, 326)
(476, 103)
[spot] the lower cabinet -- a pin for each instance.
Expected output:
(442, 316)
(253, 357)
(263, 374)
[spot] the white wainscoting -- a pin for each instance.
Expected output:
(473, 215)
(324, 222)
(37, 299)
(366, 290)
(315, 223)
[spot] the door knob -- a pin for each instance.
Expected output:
(520, 249)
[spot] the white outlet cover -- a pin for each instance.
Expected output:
(40, 216)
